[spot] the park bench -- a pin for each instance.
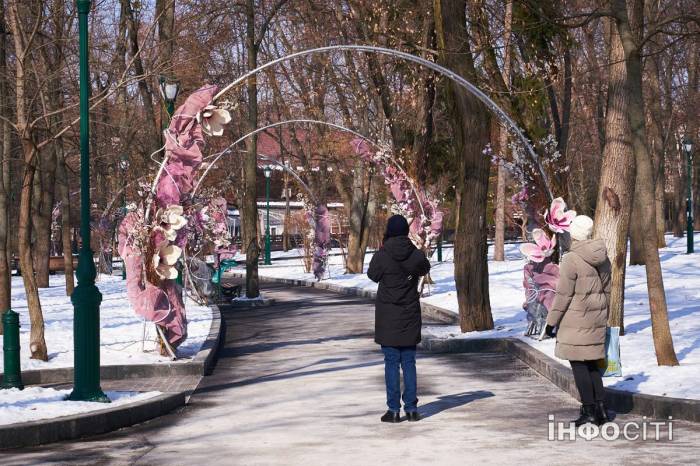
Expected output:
(230, 290)
(56, 264)
(227, 290)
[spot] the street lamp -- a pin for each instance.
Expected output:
(268, 174)
(169, 89)
(86, 298)
(124, 165)
(688, 145)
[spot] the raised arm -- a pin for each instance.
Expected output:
(375, 270)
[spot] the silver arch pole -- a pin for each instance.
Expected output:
(319, 122)
(421, 61)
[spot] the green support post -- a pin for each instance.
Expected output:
(10, 348)
(218, 274)
(267, 229)
(178, 280)
(439, 248)
(86, 298)
(123, 260)
(690, 234)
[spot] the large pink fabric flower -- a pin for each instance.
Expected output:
(543, 247)
(557, 220)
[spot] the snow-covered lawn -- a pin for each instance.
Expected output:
(120, 328)
(640, 372)
(35, 403)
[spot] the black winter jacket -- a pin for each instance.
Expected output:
(397, 307)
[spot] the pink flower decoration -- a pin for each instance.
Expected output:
(557, 220)
(543, 247)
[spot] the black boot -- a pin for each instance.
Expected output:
(587, 415)
(601, 412)
(413, 416)
(392, 417)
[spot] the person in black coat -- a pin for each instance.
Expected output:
(397, 267)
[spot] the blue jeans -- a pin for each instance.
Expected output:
(406, 357)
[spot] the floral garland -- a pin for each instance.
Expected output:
(167, 220)
(423, 213)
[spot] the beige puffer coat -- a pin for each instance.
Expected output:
(580, 307)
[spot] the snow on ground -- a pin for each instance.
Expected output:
(640, 371)
(120, 328)
(35, 403)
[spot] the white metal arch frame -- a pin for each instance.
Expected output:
(318, 122)
(478, 93)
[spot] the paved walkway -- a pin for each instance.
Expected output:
(302, 384)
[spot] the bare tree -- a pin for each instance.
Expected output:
(5, 268)
(631, 44)
(471, 124)
(24, 27)
(499, 247)
(616, 187)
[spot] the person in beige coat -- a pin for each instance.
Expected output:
(580, 311)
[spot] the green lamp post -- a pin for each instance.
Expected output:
(268, 174)
(124, 165)
(688, 145)
(86, 298)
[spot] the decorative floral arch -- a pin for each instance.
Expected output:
(152, 238)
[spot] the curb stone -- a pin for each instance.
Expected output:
(40, 432)
(427, 310)
(197, 366)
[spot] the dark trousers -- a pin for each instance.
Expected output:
(406, 357)
(588, 381)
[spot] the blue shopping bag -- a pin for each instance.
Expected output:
(611, 366)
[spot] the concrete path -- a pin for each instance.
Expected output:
(302, 384)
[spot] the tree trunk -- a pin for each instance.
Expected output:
(43, 197)
(370, 210)
(499, 253)
(356, 254)
(636, 233)
(678, 174)
(37, 344)
(151, 126)
(285, 231)
(64, 192)
(471, 127)
(616, 187)
(165, 12)
(425, 99)
(663, 342)
(250, 204)
(5, 270)
(692, 125)
(657, 133)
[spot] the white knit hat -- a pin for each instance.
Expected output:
(581, 228)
